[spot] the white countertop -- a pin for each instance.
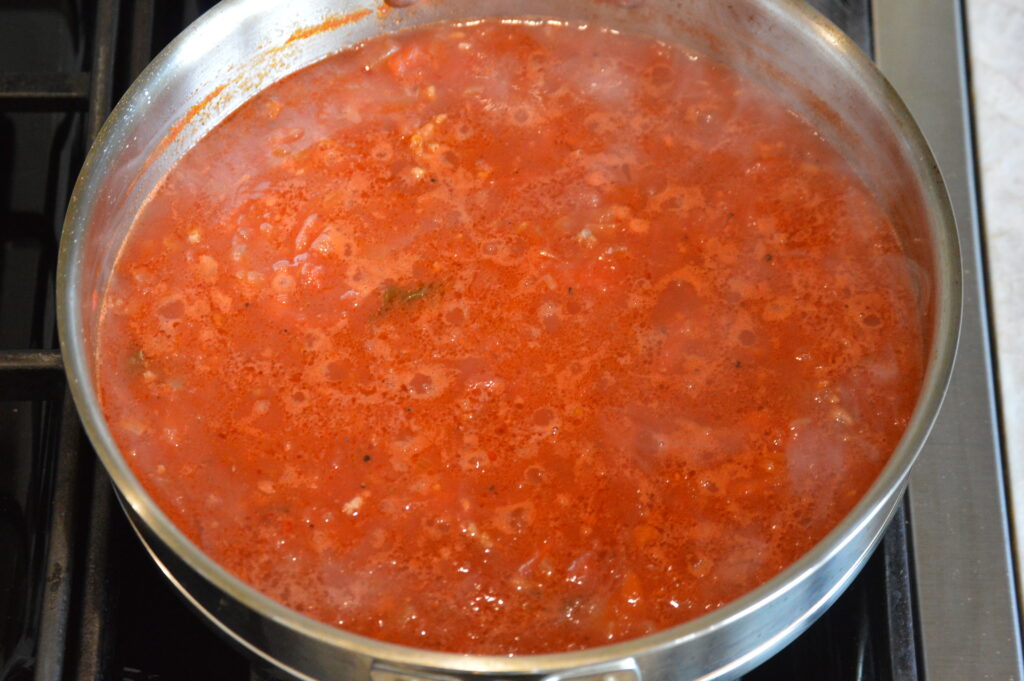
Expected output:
(996, 39)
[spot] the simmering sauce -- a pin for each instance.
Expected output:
(509, 338)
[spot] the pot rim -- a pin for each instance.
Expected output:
(876, 500)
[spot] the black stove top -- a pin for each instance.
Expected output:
(79, 598)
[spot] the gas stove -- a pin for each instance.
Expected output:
(79, 598)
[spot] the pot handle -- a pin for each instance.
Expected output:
(620, 670)
(379, 672)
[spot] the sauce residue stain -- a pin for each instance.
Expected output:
(176, 129)
(173, 134)
(329, 24)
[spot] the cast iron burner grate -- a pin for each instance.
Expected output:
(79, 598)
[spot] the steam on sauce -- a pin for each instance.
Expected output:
(509, 338)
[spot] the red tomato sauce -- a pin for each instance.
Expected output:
(509, 338)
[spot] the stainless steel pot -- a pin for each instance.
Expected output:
(243, 45)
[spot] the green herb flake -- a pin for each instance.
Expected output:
(137, 360)
(400, 296)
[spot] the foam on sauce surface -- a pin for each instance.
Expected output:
(509, 338)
